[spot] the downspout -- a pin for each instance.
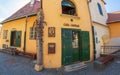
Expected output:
(24, 48)
(94, 49)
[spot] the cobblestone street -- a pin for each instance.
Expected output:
(16, 65)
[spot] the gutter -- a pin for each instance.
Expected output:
(18, 18)
(113, 21)
(24, 48)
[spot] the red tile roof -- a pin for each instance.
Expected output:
(27, 10)
(113, 17)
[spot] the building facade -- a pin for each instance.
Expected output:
(114, 28)
(67, 36)
(100, 28)
(16, 29)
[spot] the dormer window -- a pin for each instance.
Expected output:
(100, 9)
(68, 7)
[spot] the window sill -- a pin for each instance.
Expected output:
(72, 16)
(15, 46)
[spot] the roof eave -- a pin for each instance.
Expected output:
(113, 21)
(18, 18)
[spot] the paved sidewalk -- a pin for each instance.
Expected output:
(16, 65)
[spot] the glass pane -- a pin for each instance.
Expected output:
(75, 39)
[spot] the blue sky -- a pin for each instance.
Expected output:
(112, 5)
(8, 7)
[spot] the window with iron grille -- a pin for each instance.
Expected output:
(5, 32)
(32, 32)
(68, 7)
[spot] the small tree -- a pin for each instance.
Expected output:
(39, 40)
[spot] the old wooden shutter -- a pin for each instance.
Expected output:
(85, 46)
(66, 46)
(18, 38)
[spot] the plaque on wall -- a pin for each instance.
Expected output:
(51, 32)
(51, 48)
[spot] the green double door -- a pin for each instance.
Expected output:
(75, 46)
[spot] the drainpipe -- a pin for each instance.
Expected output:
(24, 48)
(91, 28)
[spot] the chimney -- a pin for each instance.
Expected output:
(32, 2)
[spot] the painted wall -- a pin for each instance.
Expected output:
(114, 29)
(99, 31)
(96, 16)
(19, 25)
(114, 41)
(99, 23)
(55, 18)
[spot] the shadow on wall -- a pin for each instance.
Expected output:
(114, 42)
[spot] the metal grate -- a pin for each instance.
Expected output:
(106, 50)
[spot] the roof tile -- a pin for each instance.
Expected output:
(113, 17)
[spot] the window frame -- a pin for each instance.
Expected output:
(100, 9)
(71, 11)
(32, 35)
(5, 34)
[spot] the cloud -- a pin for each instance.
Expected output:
(7, 8)
(1, 19)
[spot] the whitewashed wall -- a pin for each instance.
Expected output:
(100, 30)
(99, 23)
(95, 15)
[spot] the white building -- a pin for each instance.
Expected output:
(100, 28)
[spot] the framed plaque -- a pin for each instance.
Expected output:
(51, 48)
(51, 32)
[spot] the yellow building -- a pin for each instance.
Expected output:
(113, 22)
(67, 32)
(114, 28)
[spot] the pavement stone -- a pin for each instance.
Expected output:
(17, 65)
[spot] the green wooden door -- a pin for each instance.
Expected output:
(18, 38)
(66, 46)
(75, 45)
(85, 42)
(70, 46)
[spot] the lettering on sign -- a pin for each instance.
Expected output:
(66, 24)
(72, 25)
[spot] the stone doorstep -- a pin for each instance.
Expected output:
(75, 67)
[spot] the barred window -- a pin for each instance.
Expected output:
(5, 32)
(32, 32)
(68, 7)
